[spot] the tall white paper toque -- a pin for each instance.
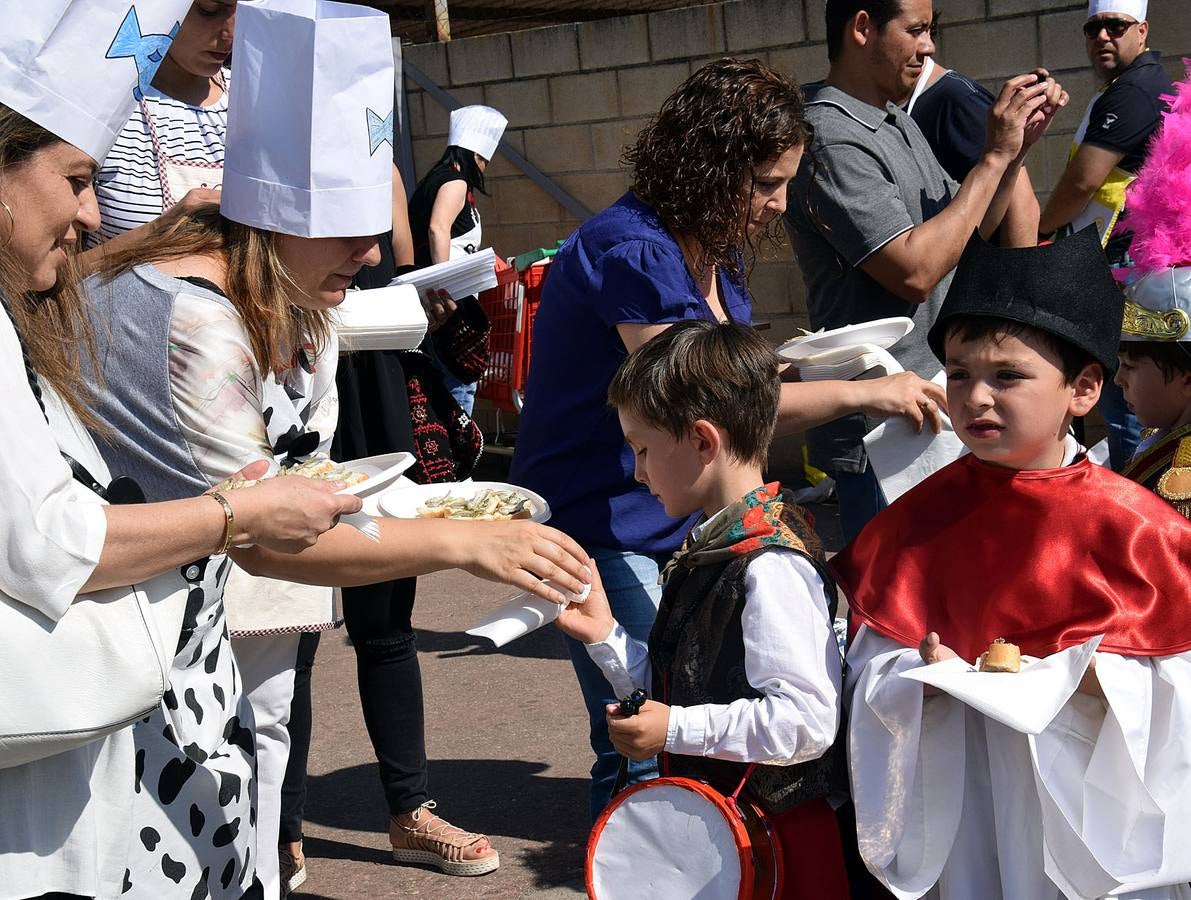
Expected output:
(77, 67)
(309, 115)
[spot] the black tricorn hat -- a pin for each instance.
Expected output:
(1064, 289)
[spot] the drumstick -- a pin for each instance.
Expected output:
(631, 705)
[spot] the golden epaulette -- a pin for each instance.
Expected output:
(1175, 483)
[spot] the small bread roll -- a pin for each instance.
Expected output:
(1000, 656)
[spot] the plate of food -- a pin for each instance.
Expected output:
(362, 477)
(882, 333)
(476, 501)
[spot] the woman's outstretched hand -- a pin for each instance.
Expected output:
(525, 555)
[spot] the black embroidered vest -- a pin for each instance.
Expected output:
(696, 649)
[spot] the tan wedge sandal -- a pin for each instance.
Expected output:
(433, 841)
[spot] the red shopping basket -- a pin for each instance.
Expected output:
(534, 281)
(510, 307)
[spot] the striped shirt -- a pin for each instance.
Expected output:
(128, 184)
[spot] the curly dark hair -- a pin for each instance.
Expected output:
(710, 135)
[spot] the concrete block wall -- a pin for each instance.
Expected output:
(575, 95)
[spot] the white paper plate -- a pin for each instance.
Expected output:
(381, 470)
(404, 503)
(884, 333)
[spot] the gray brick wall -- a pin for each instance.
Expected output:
(576, 94)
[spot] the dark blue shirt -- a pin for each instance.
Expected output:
(620, 267)
(953, 116)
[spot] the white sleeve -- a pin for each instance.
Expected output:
(906, 757)
(52, 530)
(216, 388)
(791, 656)
(1114, 778)
(623, 659)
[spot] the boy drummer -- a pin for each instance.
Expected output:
(742, 657)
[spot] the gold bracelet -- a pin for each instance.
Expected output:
(230, 518)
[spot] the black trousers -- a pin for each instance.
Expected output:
(374, 417)
(378, 619)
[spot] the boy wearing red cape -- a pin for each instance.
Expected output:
(1072, 776)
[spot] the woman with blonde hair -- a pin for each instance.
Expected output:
(219, 329)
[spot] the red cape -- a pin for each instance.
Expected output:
(1045, 559)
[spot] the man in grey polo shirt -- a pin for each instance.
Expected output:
(876, 223)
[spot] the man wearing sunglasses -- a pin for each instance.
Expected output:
(1109, 148)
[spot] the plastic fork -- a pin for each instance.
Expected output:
(364, 524)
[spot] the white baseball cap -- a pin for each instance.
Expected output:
(1135, 9)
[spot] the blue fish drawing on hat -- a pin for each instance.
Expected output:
(147, 50)
(379, 131)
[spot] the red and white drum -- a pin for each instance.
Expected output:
(678, 838)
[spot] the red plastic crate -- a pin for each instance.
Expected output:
(511, 307)
(504, 306)
(534, 280)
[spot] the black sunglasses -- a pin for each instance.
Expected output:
(1114, 27)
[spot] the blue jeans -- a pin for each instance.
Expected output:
(631, 582)
(1124, 431)
(464, 394)
(860, 499)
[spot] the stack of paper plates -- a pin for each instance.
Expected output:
(458, 277)
(388, 318)
(849, 363)
(880, 333)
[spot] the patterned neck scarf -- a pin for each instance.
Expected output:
(753, 522)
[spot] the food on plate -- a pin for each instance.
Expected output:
(802, 332)
(487, 505)
(319, 468)
(1001, 656)
(326, 470)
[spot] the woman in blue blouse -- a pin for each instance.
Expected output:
(710, 176)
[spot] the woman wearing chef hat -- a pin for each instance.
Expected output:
(218, 347)
(445, 224)
(66, 86)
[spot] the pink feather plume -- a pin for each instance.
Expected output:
(1159, 201)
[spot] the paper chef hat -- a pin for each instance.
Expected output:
(310, 119)
(476, 128)
(1133, 8)
(77, 67)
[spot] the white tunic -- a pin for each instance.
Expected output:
(954, 805)
(790, 655)
(64, 821)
